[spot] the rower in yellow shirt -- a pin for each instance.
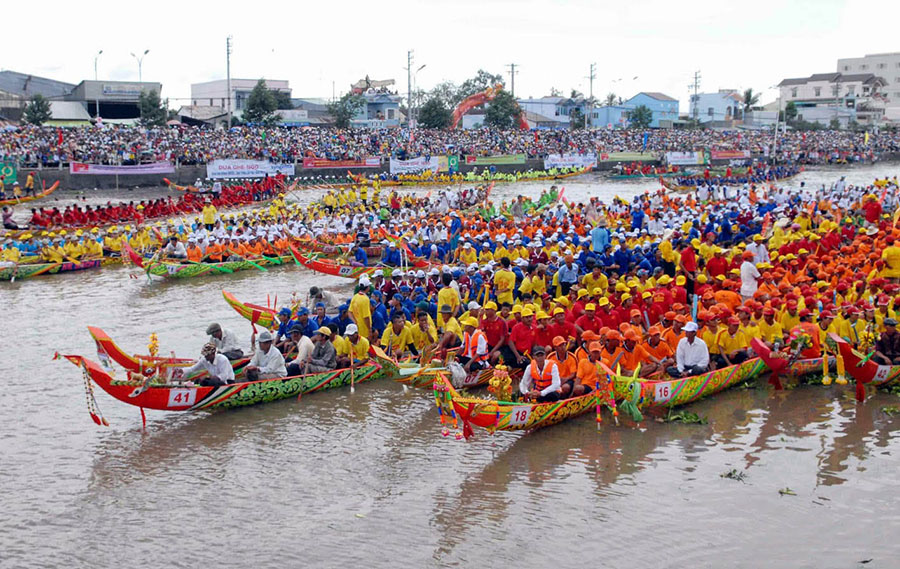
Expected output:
(467, 254)
(790, 317)
(770, 329)
(504, 282)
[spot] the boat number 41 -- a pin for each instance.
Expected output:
(182, 397)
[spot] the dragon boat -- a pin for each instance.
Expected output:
(17, 201)
(862, 369)
(178, 270)
(27, 271)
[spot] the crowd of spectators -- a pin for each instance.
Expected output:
(32, 146)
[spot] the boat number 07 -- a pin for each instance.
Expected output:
(663, 391)
(182, 397)
(519, 416)
(346, 270)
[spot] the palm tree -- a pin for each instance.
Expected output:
(610, 99)
(750, 99)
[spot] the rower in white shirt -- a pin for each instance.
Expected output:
(217, 366)
(225, 341)
(267, 362)
(691, 355)
(540, 380)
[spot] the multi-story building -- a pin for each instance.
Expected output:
(724, 106)
(885, 65)
(844, 96)
(663, 107)
(215, 93)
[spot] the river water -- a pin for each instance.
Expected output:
(342, 479)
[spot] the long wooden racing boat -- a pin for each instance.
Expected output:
(418, 376)
(43, 194)
(186, 397)
(781, 363)
(177, 270)
(862, 369)
(336, 250)
(646, 393)
(494, 415)
(673, 186)
(27, 271)
(262, 315)
(412, 181)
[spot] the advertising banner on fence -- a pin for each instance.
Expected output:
(8, 171)
(309, 163)
(729, 154)
(491, 160)
(103, 169)
(627, 156)
(569, 161)
(684, 158)
(246, 169)
(419, 164)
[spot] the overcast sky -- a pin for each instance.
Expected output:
(314, 45)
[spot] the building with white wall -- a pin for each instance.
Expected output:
(858, 92)
(725, 105)
(885, 65)
(215, 93)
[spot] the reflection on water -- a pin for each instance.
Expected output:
(339, 479)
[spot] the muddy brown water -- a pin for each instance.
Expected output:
(342, 479)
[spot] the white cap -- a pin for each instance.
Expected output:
(351, 329)
(690, 327)
(473, 305)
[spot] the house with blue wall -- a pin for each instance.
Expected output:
(381, 110)
(663, 107)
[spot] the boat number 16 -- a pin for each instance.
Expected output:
(663, 392)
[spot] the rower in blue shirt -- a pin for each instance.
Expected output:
(360, 257)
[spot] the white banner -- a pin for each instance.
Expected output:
(684, 158)
(569, 161)
(419, 164)
(104, 169)
(246, 169)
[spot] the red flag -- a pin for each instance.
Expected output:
(59, 138)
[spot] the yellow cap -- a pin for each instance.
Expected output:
(590, 306)
(526, 312)
(490, 305)
(542, 315)
(558, 311)
(602, 301)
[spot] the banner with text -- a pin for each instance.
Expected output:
(419, 164)
(627, 157)
(569, 161)
(684, 158)
(492, 160)
(729, 154)
(246, 169)
(309, 163)
(109, 170)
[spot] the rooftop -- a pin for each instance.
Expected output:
(26, 85)
(657, 96)
(832, 78)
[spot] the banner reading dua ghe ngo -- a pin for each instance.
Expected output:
(104, 169)
(685, 158)
(570, 161)
(420, 164)
(246, 169)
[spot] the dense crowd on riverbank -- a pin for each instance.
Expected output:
(33, 146)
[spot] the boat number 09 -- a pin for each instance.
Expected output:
(182, 397)
(663, 391)
(519, 415)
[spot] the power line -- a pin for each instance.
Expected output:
(695, 101)
(512, 78)
(591, 77)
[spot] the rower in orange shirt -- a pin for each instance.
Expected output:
(588, 372)
(635, 356)
(567, 364)
(660, 352)
(194, 253)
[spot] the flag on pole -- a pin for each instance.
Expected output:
(867, 138)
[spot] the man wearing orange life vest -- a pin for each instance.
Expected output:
(474, 355)
(540, 381)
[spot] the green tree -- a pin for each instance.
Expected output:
(750, 100)
(640, 117)
(344, 109)
(434, 114)
(610, 99)
(282, 100)
(576, 119)
(790, 111)
(834, 124)
(447, 93)
(153, 112)
(261, 105)
(503, 111)
(37, 111)
(480, 82)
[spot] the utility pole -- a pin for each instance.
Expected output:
(409, 62)
(228, 77)
(97, 102)
(695, 103)
(591, 77)
(512, 78)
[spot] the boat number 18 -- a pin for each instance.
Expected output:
(519, 415)
(182, 397)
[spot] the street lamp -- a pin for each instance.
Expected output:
(140, 61)
(96, 57)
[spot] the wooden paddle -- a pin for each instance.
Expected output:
(213, 265)
(260, 267)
